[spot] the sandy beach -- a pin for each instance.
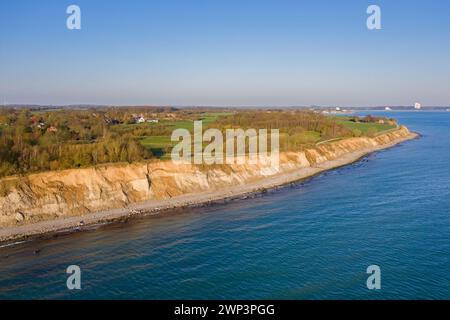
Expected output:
(192, 199)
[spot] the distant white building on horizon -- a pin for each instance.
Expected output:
(387, 109)
(417, 106)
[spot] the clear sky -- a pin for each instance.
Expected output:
(225, 52)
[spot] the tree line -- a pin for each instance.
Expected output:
(31, 142)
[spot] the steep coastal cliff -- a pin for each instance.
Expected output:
(51, 195)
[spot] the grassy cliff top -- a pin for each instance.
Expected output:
(33, 141)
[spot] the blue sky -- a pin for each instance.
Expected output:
(225, 52)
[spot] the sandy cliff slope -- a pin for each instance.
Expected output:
(50, 195)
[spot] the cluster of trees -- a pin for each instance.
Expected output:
(298, 129)
(39, 141)
(144, 130)
(371, 119)
(287, 121)
(126, 115)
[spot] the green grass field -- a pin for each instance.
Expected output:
(166, 124)
(363, 127)
(160, 145)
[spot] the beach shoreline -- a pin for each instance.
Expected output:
(155, 207)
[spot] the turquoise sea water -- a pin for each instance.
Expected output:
(310, 240)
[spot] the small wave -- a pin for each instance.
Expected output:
(11, 244)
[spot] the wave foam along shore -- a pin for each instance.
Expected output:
(55, 201)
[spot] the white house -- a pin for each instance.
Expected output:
(140, 119)
(417, 106)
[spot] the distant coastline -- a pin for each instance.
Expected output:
(393, 108)
(327, 157)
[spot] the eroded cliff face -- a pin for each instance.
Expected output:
(74, 192)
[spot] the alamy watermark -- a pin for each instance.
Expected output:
(74, 280)
(374, 20)
(374, 280)
(250, 146)
(73, 21)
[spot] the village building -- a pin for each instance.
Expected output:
(140, 119)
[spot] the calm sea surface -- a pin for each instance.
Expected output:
(310, 240)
